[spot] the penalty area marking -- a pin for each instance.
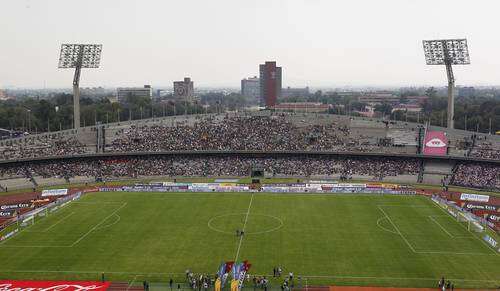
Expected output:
(428, 252)
(111, 224)
(383, 228)
(75, 242)
(97, 225)
(60, 220)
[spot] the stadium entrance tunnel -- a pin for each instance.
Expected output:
(256, 223)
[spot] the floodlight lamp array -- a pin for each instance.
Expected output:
(80, 55)
(441, 52)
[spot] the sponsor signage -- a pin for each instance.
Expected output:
(346, 185)
(490, 241)
(14, 206)
(9, 285)
(494, 217)
(54, 192)
(474, 197)
(10, 234)
(435, 143)
(7, 213)
(480, 207)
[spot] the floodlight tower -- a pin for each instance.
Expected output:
(79, 56)
(447, 52)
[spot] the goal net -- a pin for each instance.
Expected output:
(469, 222)
(30, 220)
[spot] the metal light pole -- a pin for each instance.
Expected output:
(447, 52)
(79, 56)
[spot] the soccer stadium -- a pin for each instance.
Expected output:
(277, 145)
(263, 200)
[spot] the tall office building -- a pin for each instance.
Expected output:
(184, 90)
(250, 87)
(270, 84)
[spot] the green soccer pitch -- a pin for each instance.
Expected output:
(325, 238)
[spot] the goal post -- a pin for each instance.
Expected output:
(30, 220)
(470, 223)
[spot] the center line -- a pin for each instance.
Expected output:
(243, 230)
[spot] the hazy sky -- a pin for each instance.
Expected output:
(218, 42)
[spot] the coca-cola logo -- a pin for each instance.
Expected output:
(435, 143)
(51, 286)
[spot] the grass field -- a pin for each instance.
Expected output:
(328, 239)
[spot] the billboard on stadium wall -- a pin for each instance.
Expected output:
(435, 143)
(474, 197)
(15, 206)
(7, 213)
(475, 206)
(54, 285)
(349, 185)
(54, 192)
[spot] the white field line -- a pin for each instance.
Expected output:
(482, 241)
(269, 275)
(440, 226)
(90, 202)
(130, 285)
(383, 228)
(397, 229)
(68, 246)
(244, 225)
(97, 225)
(61, 220)
(109, 225)
(428, 252)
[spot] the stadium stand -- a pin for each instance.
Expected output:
(343, 138)
(374, 168)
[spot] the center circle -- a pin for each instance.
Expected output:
(255, 223)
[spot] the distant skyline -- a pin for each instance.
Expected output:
(319, 43)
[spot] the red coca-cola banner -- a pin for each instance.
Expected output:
(435, 143)
(8, 285)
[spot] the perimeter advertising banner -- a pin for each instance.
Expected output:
(7, 207)
(473, 206)
(435, 143)
(474, 197)
(54, 192)
(7, 213)
(53, 285)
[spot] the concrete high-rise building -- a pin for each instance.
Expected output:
(123, 94)
(184, 90)
(270, 84)
(250, 87)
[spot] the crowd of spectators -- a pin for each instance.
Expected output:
(486, 150)
(273, 133)
(213, 166)
(44, 147)
(226, 133)
(477, 176)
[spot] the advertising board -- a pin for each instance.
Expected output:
(474, 197)
(435, 143)
(54, 192)
(6, 207)
(54, 285)
(490, 240)
(474, 206)
(7, 213)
